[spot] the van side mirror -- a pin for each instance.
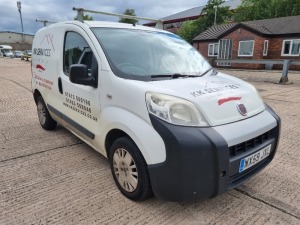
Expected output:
(79, 75)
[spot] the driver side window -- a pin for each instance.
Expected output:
(77, 51)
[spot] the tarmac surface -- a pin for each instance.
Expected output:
(54, 178)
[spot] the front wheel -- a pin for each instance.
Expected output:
(45, 119)
(129, 169)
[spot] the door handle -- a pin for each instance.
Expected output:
(60, 88)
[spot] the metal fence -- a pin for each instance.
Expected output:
(269, 64)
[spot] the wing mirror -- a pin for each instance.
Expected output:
(79, 75)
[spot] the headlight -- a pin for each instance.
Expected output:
(174, 110)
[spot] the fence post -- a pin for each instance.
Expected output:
(285, 70)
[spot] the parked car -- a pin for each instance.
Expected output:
(18, 54)
(26, 54)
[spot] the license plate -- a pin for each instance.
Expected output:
(255, 158)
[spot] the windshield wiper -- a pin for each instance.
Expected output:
(206, 72)
(173, 76)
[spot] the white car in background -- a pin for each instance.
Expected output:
(6, 51)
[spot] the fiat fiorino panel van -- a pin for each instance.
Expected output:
(169, 123)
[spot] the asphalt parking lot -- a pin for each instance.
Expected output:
(54, 178)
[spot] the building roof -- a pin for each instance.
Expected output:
(12, 32)
(266, 27)
(196, 11)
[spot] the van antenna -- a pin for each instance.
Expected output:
(80, 11)
(44, 22)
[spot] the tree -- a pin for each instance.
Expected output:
(190, 29)
(85, 17)
(129, 12)
(223, 15)
(262, 9)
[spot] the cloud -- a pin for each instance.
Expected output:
(61, 10)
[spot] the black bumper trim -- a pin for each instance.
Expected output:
(185, 176)
(198, 164)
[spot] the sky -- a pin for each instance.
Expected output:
(61, 10)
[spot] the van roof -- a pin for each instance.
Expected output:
(5, 47)
(105, 24)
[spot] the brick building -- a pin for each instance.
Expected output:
(273, 39)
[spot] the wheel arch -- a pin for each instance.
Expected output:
(112, 136)
(36, 94)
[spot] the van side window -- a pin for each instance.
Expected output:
(77, 51)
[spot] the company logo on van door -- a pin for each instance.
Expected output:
(48, 46)
(40, 67)
(42, 51)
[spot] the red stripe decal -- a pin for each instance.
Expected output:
(38, 66)
(224, 100)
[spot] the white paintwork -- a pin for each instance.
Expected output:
(235, 133)
(119, 103)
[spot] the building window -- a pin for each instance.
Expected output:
(266, 47)
(246, 48)
(213, 49)
(291, 47)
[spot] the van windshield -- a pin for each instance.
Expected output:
(149, 55)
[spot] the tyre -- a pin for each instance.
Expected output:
(129, 169)
(45, 119)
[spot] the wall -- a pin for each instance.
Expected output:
(240, 34)
(275, 48)
(15, 40)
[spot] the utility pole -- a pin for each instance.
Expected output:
(19, 9)
(216, 9)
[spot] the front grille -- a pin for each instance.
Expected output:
(252, 143)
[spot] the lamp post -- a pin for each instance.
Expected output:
(216, 9)
(19, 9)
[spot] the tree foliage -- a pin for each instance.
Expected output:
(190, 29)
(129, 12)
(85, 17)
(223, 15)
(266, 9)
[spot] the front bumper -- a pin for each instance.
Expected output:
(201, 164)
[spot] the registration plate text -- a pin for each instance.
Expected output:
(255, 158)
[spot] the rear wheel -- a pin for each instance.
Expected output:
(129, 169)
(45, 119)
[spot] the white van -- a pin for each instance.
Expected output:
(6, 51)
(169, 123)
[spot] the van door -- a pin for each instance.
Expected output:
(81, 103)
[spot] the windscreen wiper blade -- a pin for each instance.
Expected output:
(206, 72)
(173, 76)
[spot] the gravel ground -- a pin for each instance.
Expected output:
(54, 178)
